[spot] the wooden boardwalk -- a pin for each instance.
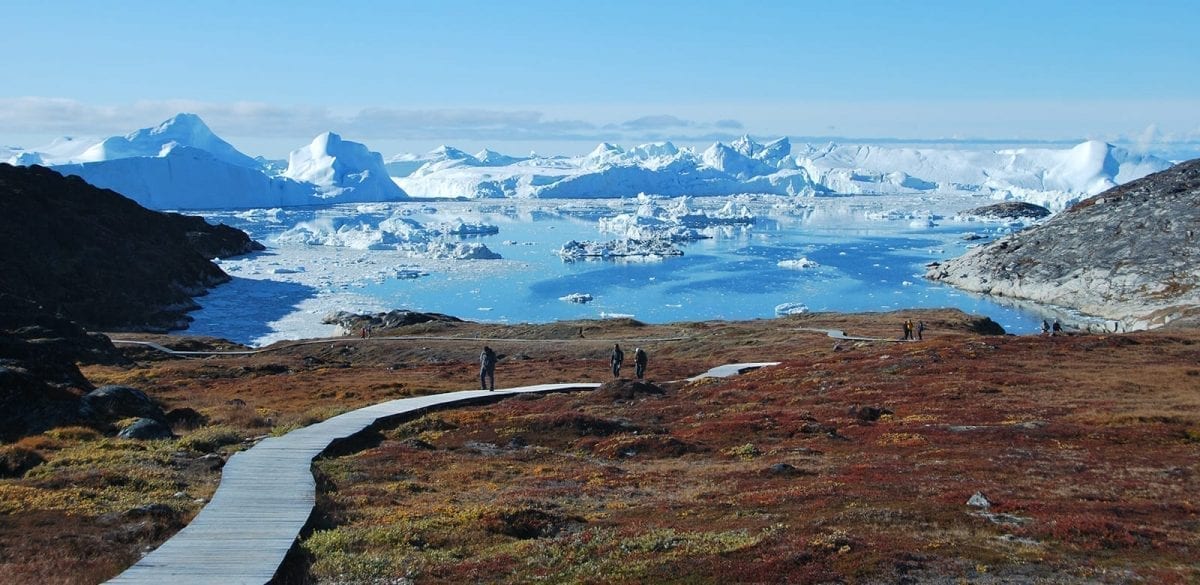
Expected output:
(266, 496)
(268, 492)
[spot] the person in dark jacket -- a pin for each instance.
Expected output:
(617, 357)
(487, 369)
(639, 362)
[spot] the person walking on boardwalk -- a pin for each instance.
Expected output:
(639, 362)
(617, 357)
(908, 329)
(920, 330)
(487, 369)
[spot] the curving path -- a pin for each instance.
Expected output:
(839, 334)
(182, 353)
(267, 493)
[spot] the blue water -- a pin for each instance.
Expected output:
(865, 265)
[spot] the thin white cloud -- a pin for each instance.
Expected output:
(55, 116)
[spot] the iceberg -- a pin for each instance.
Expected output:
(801, 263)
(784, 309)
(653, 249)
(341, 169)
(579, 298)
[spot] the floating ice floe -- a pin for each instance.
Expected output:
(624, 248)
(459, 227)
(580, 298)
(451, 251)
(676, 222)
(790, 309)
(801, 263)
(396, 232)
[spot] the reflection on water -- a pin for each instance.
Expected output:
(864, 265)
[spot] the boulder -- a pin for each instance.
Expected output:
(108, 403)
(146, 429)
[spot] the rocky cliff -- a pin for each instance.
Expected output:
(100, 259)
(1129, 255)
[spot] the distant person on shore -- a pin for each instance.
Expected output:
(920, 330)
(908, 329)
(639, 362)
(1045, 328)
(1056, 329)
(617, 357)
(487, 369)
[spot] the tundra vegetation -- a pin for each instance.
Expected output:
(849, 462)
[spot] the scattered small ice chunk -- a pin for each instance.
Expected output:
(802, 263)
(580, 298)
(906, 283)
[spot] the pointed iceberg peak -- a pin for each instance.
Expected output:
(444, 152)
(491, 158)
(343, 169)
(746, 145)
(182, 121)
(181, 130)
(605, 149)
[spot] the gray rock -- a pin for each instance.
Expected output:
(1128, 255)
(146, 429)
(109, 403)
(978, 500)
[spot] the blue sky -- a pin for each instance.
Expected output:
(561, 76)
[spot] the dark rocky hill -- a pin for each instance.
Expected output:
(1130, 255)
(100, 259)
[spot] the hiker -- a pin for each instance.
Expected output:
(920, 330)
(639, 363)
(1045, 328)
(1056, 329)
(487, 369)
(908, 329)
(617, 357)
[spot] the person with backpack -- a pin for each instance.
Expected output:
(639, 362)
(487, 369)
(617, 357)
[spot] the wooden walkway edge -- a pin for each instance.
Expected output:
(268, 492)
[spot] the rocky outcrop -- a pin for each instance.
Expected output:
(1009, 210)
(101, 259)
(1129, 255)
(40, 383)
(353, 323)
